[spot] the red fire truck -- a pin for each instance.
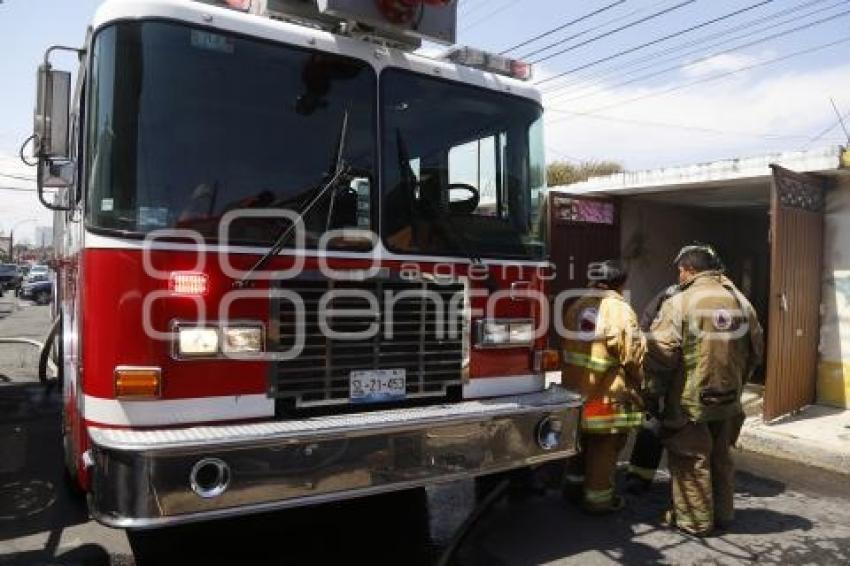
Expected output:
(297, 261)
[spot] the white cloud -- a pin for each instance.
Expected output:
(733, 117)
(718, 64)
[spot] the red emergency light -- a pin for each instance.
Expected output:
(404, 12)
(490, 62)
(189, 283)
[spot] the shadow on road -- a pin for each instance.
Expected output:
(824, 551)
(754, 486)
(34, 497)
(89, 554)
(388, 529)
(546, 530)
(767, 521)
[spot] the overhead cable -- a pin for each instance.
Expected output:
(657, 40)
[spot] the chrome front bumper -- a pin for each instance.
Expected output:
(140, 478)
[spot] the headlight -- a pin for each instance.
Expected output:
(197, 341)
(242, 340)
(505, 333)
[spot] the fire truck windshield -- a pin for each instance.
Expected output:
(186, 124)
(463, 168)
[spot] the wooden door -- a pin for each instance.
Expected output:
(582, 230)
(797, 203)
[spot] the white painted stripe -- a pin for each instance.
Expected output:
(237, 407)
(498, 386)
(176, 411)
(98, 241)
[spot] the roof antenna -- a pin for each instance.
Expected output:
(840, 119)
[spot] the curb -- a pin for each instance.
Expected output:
(759, 438)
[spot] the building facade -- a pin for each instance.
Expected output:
(781, 222)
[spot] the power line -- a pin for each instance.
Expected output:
(593, 28)
(612, 32)
(825, 131)
(660, 57)
(840, 119)
(564, 26)
(719, 76)
(18, 177)
(657, 40)
(21, 189)
(494, 13)
(723, 52)
(471, 6)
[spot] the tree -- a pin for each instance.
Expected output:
(564, 173)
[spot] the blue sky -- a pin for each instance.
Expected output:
(773, 107)
(593, 115)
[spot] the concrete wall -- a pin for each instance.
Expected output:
(652, 233)
(833, 386)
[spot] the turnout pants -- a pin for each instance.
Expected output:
(646, 454)
(600, 465)
(702, 474)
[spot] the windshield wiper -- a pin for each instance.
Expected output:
(338, 170)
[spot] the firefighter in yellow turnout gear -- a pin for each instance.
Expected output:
(603, 350)
(701, 349)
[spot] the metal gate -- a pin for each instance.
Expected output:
(796, 247)
(582, 230)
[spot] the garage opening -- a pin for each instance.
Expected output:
(735, 220)
(647, 229)
(768, 228)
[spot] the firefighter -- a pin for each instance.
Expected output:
(647, 450)
(603, 351)
(701, 349)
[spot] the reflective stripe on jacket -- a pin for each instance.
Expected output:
(602, 356)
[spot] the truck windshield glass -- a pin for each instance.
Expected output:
(187, 124)
(463, 169)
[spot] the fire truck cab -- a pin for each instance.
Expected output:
(298, 261)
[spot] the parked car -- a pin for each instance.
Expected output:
(38, 273)
(39, 291)
(10, 277)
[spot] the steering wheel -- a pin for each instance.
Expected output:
(466, 206)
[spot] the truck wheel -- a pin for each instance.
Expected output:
(69, 472)
(42, 298)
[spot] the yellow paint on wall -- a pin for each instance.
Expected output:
(834, 384)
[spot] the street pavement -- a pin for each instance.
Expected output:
(787, 513)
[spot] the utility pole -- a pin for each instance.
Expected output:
(840, 119)
(12, 237)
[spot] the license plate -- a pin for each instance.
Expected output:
(377, 385)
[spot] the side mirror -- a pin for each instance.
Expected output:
(51, 135)
(52, 113)
(57, 174)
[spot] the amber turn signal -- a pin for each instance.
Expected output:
(132, 382)
(550, 360)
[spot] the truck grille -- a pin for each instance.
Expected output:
(408, 339)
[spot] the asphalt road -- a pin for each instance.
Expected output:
(786, 514)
